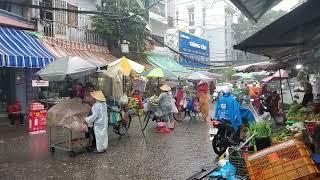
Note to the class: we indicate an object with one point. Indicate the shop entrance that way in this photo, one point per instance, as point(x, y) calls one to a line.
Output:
point(7, 91)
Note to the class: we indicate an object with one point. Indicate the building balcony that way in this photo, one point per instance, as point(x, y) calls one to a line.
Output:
point(14, 20)
point(72, 33)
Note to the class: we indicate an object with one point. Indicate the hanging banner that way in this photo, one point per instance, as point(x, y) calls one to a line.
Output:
point(40, 83)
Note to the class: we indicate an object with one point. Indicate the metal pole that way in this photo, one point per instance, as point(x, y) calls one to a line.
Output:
point(290, 89)
point(281, 91)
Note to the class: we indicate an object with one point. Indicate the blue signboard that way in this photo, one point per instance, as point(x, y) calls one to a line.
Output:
point(194, 50)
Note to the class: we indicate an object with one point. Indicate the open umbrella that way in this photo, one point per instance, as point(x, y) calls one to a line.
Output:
point(125, 66)
point(281, 74)
point(71, 66)
point(244, 75)
point(196, 76)
point(160, 73)
point(211, 74)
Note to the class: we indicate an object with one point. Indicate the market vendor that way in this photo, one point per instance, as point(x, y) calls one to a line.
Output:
point(316, 105)
point(99, 118)
point(79, 90)
point(88, 89)
point(308, 95)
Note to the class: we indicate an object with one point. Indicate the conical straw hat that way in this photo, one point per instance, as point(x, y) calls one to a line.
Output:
point(98, 95)
point(165, 88)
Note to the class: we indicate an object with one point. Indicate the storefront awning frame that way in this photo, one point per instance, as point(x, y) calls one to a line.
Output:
point(255, 9)
point(290, 36)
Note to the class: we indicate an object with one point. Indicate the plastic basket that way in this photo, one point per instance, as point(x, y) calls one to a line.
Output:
point(288, 160)
point(237, 159)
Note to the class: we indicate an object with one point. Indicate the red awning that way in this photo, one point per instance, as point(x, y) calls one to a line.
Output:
point(61, 48)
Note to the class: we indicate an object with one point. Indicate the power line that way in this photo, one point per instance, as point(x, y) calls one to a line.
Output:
point(109, 16)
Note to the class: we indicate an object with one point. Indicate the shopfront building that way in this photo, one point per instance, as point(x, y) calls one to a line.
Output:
point(21, 56)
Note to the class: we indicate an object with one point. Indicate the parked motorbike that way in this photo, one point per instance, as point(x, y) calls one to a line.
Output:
point(223, 135)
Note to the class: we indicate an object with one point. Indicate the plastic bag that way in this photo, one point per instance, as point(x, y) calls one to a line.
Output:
point(227, 171)
point(174, 107)
point(115, 117)
point(123, 100)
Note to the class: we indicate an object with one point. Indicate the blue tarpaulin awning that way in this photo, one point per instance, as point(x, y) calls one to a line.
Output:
point(19, 49)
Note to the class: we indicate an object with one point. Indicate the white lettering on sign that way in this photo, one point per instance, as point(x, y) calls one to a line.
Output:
point(196, 45)
point(184, 36)
point(40, 83)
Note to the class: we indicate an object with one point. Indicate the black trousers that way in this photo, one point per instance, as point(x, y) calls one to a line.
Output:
point(90, 134)
point(14, 117)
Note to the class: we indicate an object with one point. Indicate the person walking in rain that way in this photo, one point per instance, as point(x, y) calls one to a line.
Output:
point(99, 118)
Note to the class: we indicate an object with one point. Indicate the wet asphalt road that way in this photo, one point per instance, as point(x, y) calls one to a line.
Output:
point(176, 155)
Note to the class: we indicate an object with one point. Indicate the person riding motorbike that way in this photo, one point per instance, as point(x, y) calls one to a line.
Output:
point(228, 108)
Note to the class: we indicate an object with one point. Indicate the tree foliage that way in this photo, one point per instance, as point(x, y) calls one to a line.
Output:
point(244, 28)
point(131, 29)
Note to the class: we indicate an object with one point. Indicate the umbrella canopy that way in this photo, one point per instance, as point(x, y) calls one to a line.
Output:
point(196, 76)
point(125, 66)
point(211, 74)
point(244, 75)
point(71, 66)
point(262, 66)
point(277, 76)
point(160, 73)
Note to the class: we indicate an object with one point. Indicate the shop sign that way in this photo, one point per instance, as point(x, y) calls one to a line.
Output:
point(40, 83)
point(195, 50)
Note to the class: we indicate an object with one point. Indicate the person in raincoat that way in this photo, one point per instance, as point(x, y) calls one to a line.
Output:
point(203, 94)
point(99, 118)
point(228, 108)
point(166, 103)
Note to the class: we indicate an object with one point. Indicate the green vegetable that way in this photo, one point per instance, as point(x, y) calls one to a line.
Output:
point(261, 129)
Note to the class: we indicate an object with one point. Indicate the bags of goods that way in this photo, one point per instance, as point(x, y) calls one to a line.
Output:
point(36, 106)
point(70, 114)
point(123, 100)
point(15, 107)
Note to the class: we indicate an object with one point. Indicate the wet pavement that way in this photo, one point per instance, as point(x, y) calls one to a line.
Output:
point(176, 155)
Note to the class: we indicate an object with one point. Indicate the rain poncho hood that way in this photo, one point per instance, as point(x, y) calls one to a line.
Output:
point(100, 119)
point(228, 108)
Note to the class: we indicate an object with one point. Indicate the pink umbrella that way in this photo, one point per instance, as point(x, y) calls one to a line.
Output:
point(281, 74)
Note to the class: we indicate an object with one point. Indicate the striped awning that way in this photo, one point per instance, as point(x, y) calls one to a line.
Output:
point(19, 49)
point(95, 53)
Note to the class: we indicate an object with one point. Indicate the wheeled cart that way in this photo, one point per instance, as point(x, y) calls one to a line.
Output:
point(64, 139)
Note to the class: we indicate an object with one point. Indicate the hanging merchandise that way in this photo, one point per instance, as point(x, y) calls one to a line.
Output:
point(140, 85)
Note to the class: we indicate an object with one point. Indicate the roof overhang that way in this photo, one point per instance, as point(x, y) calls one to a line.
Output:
point(293, 34)
point(255, 9)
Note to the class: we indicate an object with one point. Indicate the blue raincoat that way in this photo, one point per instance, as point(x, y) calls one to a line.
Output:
point(228, 108)
point(100, 119)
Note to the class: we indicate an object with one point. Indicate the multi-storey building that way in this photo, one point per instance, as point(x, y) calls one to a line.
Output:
point(65, 33)
point(210, 20)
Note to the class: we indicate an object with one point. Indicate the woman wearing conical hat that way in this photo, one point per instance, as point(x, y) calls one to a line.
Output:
point(99, 118)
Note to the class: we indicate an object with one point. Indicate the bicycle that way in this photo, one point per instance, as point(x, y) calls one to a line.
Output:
point(188, 109)
point(150, 114)
point(121, 126)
